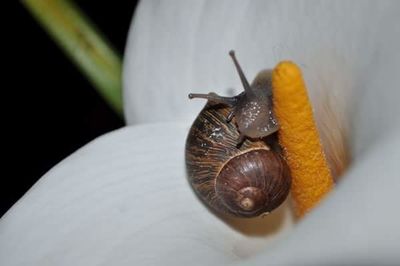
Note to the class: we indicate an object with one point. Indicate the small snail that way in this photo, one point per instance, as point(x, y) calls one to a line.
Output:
point(229, 163)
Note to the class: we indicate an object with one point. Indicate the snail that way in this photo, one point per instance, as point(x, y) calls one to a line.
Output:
point(232, 158)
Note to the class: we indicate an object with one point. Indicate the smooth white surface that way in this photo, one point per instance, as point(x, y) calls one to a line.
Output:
point(124, 200)
point(176, 47)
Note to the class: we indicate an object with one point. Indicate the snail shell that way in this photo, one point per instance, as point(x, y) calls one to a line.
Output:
point(246, 180)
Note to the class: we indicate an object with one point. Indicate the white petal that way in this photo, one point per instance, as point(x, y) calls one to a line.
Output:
point(177, 47)
point(124, 200)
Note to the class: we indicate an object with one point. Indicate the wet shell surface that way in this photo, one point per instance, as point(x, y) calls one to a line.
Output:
point(246, 180)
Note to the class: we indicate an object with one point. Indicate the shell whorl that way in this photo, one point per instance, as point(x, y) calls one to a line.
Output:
point(251, 183)
point(244, 181)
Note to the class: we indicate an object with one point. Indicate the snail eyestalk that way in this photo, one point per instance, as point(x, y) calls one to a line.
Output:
point(245, 83)
point(213, 97)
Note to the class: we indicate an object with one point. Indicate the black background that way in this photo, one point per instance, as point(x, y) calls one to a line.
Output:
point(49, 109)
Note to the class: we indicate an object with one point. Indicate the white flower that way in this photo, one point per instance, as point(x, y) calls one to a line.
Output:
point(124, 200)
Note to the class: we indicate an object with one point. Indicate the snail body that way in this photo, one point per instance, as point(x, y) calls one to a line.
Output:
point(251, 108)
point(235, 171)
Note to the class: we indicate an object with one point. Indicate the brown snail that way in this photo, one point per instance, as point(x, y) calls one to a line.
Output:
point(230, 161)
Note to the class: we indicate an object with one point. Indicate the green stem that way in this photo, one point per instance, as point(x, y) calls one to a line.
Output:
point(83, 43)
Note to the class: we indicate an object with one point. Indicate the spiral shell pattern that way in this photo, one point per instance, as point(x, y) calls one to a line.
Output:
point(244, 181)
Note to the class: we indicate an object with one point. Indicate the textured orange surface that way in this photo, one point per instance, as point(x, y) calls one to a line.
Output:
point(299, 138)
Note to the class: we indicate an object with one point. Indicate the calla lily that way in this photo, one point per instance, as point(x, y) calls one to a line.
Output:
point(123, 199)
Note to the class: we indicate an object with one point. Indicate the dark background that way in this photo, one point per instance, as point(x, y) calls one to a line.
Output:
point(49, 108)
